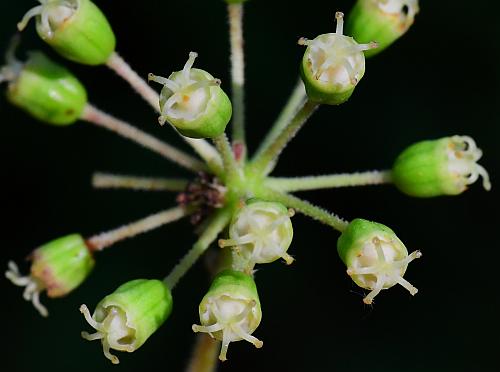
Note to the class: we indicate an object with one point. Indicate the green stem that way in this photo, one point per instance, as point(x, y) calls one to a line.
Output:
point(266, 160)
point(329, 181)
point(97, 117)
point(118, 181)
point(106, 239)
point(218, 222)
point(205, 353)
point(235, 13)
point(305, 208)
point(231, 168)
point(295, 101)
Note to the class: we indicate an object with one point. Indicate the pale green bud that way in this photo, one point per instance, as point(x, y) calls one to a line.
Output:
point(76, 29)
point(44, 89)
point(384, 21)
point(332, 65)
point(375, 257)
point(260, 232)
point(445, 166)
point(58, 267)
point(126, 318)
point(230, 311)
point(193, 102)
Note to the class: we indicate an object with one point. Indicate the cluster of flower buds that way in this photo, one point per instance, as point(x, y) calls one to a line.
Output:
point(193, 102)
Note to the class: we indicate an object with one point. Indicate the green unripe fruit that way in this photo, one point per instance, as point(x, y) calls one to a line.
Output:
point(230, 311)
point(332, 65)
point(375, 257)
point(126, 318)
point(47, 91)
point(384, 21)
point(439, 167)
point(58, 267)
point(193, 102)
point(76, 29)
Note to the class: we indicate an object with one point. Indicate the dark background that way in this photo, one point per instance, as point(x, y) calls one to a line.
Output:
point(441, 79)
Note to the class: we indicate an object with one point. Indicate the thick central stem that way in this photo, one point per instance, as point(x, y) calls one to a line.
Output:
point(235, 12)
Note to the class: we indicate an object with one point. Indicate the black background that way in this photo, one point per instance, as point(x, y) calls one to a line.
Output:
point(441, 79)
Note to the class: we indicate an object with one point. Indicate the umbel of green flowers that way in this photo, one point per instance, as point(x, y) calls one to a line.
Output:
point(240, 206)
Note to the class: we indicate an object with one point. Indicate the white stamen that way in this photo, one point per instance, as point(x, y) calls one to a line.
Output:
point(339, 16)
point(33, 12)
point(380, 266)
point(234, 321)
point(186, 71)
point(112, 331)
point(32, 289)
point(172, 85)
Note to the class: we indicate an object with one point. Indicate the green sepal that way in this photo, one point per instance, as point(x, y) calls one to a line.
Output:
point(48, 91)
point(147, 303)
point(85, 37)
point(420, 170)
point(235, 283)
point(352, 240)
point(215, 117)
point(367, 22)
point(62, 264)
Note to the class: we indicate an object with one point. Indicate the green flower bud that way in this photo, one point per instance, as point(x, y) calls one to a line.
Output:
point(439, 167)
point(332, 65)
point(193, 102)
point(76, 29)
point(375, 258)
point(260, 232)
point(57, 267)
point(45, 89)
point(126, 318)
point(230, 311)
point(382, 20)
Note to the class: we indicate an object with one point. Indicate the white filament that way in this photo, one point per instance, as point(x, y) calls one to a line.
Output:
point(112, 330)
point(32, 289)
point(51, 13)
point(260, 233)
point(463, 155)
point(188, 96)
point(335, 59)
point(380, 265)
point(230, 319)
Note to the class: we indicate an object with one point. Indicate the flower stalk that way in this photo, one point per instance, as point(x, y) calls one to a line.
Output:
point(117, 181)
point(106, 239)
point(294, 184)
point(97, 117)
